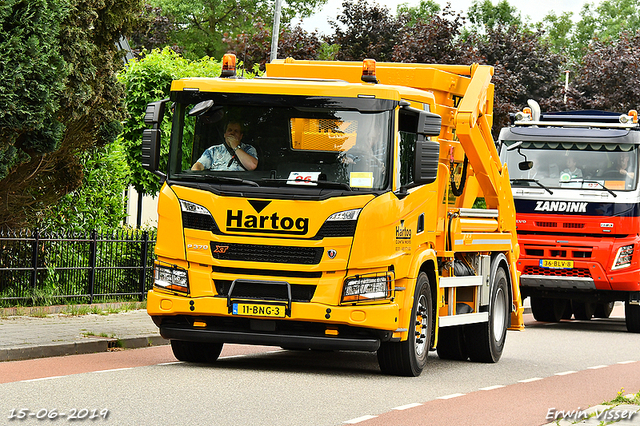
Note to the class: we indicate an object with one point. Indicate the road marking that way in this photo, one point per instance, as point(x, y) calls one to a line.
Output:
point(492, 387)
point(360, 419)
point(170, 363)
point(564, 373)
point(455, 395)
point(113, 369)
point(405, 407)
point(533, 379)
point(626, 362)
point(41, 378)
point(595, 367)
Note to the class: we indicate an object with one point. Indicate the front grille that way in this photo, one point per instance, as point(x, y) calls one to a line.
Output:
point(337, 228)
point(573, 225)
point(546, 224)
point(265, 291)
point(199, 221)
point(550, 272)
point(264, 253)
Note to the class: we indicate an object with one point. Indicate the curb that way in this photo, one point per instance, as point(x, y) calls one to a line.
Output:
point(81, 347)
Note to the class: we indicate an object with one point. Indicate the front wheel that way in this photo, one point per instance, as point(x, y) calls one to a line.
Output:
point(196, 351)
point(485, 341)
point(548, 310)
point(632, 317)
point(409, 358)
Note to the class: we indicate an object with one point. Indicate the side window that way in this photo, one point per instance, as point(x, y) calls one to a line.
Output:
point(407, 147)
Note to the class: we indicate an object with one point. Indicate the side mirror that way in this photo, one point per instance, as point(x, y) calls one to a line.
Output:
point(525, 165)
point(427, 155)
point(150, 156)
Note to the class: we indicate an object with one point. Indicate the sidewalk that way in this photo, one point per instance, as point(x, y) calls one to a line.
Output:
point(24, 337)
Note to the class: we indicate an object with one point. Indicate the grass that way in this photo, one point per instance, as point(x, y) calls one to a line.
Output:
point(106, 308)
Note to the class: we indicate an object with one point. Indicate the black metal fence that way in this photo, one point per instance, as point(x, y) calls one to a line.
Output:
point(42, 268)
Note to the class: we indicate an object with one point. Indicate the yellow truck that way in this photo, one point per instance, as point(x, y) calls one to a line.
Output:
point(329, 206)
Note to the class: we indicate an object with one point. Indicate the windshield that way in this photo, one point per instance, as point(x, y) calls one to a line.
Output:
point(264, 145)
point(571, 165)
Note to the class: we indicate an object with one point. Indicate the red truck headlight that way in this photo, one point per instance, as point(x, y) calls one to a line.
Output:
point(623, 257)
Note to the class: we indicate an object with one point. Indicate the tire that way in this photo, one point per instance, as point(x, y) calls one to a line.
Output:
point(632, 317)
point(547, 310)
point(485, 341)
point(451, 344)
point(196, 351)
point(568, 311)
point(603, 310)
point(583, 310)
point(409, 358)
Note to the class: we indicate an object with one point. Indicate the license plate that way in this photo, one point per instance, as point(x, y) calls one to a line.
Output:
point(556, 264)
point(256, 310)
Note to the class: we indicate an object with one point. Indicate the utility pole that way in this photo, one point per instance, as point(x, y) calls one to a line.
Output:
point(276, 31)
point(566, 84)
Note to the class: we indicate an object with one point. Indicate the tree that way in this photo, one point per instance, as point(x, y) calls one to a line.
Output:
point(365, 31)
point(153, 31)
point(98, 203)
point(606, 21)
point(433, 40)
point(422, 12)
point(485, 16)
point(82, 107)
point(609, 77)
point(254, 48)
point(201, 25)
point(525, 68)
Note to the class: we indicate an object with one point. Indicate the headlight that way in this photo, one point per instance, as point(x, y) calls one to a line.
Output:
point(345, 215)
point(188, 206)
point(171, 278)
point(367, 287)
point(623, 257)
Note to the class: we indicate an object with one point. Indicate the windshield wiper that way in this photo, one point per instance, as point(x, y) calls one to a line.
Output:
point(321, 183)
point(594, 181)
point(534, 181)
point(224, 179)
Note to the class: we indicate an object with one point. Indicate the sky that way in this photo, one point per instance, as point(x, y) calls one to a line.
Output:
point(535, 9)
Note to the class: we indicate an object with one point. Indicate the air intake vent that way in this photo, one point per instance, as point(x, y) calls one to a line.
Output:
point(199, 221)
point(337, 228)
point(264, 253)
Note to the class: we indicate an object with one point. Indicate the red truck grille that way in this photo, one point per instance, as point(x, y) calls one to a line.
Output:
point(549, 272)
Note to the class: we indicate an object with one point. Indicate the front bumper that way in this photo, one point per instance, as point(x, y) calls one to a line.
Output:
point(310, 325)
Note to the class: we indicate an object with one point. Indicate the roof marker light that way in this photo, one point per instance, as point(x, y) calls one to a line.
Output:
point(369, 71)
point(228, 65)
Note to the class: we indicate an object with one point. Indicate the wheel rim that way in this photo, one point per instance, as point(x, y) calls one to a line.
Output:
point(499, 314)
point(422, 318)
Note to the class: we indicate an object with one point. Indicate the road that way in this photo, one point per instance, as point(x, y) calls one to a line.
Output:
point(563, 366)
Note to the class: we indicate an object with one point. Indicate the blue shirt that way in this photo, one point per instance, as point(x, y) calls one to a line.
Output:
point(217, 157)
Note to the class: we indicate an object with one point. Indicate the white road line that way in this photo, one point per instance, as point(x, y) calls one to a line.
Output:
point(533, 379)
point(233, 356)
point(41, 378)
point(405, 407)
point(455, 395)
point(492, 387)
point(170, 363)
point(626, 362)
point(113, 369)
point(595, 367)
point(359, 419)
point(564, 373)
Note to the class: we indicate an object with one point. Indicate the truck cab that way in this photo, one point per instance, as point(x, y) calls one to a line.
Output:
point(574, 178)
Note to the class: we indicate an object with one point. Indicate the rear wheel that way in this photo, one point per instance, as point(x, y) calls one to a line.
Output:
point(583, 310)
point(196, 351)
point(451, 344)
point(409, 358)
point(603, 310)
point(548, 310)
point(632, 317)
point(485, 341)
